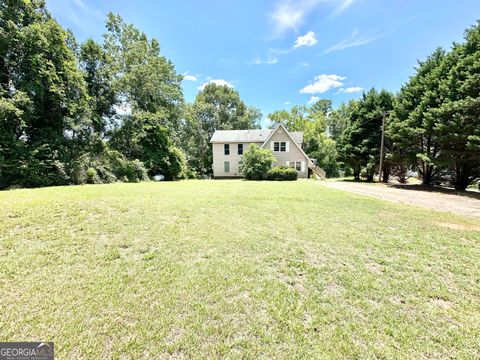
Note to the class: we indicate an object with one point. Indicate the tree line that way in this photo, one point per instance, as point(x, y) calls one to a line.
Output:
point(99, 111)
point(432, 124)
point(113, 110)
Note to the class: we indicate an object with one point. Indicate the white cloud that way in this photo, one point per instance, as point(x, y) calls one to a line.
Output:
point(344, 5)
point(259, 61)
point(306, 40)
point(322, 83)
point(290, 15)
point(304, 64)
point(219, 82)
point(286, 17)
point(313, 99)
point(187, 77)
point(286, 102)
point(353, 40)
point(352, 89)
point(280, 51)
point(86, 17)
point(190, 78)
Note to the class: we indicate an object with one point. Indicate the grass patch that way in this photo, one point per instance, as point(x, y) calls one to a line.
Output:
point(209, 269)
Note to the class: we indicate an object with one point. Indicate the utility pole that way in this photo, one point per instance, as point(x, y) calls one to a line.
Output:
point(382, 143)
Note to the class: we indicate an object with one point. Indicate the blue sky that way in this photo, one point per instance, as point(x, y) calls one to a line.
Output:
point(282, 53)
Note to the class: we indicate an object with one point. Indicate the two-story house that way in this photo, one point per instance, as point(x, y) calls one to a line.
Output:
point(229, 145)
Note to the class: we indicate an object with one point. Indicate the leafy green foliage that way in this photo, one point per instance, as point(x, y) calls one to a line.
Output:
point(312, 121)
point(194, 140)
point(435, 125)
point(58, 103)
point(412, 125)
point(338, 120)
point(324, 150)
point(97, 66)
point(117, 107)
point(361, 139)
point(256, 162)
point(458, 127)
point(282, 173)
point(91, 176)
point(143, 137)
point(43, 104)
point(216, 107)
point(110, 166)
point(146, 81)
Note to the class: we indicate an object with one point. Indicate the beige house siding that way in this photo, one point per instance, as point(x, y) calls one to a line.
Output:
point(219, 159)
point(293, 153)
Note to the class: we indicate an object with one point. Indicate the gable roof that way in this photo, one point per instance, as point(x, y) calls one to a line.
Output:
point(289, 134)
point(249, 136)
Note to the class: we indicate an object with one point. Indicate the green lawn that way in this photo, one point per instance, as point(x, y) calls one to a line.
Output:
point(213, 269)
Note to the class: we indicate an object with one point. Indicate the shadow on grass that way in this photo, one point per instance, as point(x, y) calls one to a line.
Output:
point(352, 180)
point(436, 189)
point(417, 187)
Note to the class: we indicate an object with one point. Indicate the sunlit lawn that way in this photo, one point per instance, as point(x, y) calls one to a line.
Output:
point(208, 269)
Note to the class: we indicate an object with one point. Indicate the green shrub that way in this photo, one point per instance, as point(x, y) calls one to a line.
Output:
point(135, 171)
point(91, 175)
point(107, 167)
point(176, 165)
point(282, 173)
point(256, 162)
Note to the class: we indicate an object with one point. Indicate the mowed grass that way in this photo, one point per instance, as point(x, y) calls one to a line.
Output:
point(235, 269)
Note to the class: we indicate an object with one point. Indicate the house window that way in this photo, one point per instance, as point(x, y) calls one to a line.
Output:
point(226, 149)
point(296, 165)
point(280, 146)
point(240, 149)
point(226, 166)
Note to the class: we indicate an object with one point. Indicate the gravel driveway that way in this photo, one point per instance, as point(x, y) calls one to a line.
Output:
point(448, 201)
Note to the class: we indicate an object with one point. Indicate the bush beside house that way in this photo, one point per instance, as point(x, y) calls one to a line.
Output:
point(256, 164)
point(282, 173)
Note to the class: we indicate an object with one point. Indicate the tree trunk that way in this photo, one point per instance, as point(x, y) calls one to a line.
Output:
point(462, 177)
point(461, 185)
point(356, 172)
point(427, 175)
point(386, 173)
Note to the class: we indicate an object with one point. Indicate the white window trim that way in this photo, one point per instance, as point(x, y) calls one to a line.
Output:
point(291, 138)
point(293, 165)
point(280, 146)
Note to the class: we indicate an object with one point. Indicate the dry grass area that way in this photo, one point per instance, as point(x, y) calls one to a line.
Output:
point(215, 269)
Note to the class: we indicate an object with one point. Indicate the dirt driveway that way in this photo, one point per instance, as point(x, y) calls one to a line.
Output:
point(448, 201)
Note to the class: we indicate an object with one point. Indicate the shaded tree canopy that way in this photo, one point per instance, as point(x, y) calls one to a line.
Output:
point(216, 107)
point(114, 111)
